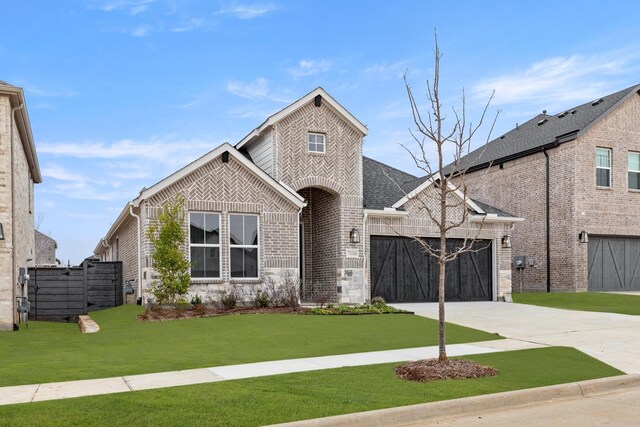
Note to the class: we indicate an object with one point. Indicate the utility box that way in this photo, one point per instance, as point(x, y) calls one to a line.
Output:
point(519, 262)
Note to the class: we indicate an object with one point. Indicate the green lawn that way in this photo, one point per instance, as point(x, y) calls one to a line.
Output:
point(48, 352)
point(290, 397)
point(583, 301)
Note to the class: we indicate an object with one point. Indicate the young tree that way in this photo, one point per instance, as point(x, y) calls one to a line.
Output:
point(445, 203)
point(168, 260)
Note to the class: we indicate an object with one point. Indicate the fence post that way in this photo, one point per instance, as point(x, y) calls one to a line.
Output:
point(84, 287)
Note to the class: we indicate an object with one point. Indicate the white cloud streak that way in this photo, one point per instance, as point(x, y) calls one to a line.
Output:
point(249, 11)
point(259, 88)
point(310, 67)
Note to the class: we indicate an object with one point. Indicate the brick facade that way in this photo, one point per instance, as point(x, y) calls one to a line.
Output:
point(576, 204)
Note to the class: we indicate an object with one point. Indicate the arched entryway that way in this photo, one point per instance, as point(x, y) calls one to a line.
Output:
point(319, 242)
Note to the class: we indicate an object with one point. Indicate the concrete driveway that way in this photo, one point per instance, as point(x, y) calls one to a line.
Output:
point(611, 338)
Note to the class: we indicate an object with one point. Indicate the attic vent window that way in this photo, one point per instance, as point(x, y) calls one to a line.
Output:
point(574, 111)
point(596, 102)
point(543, 121)
point(317, 101)
point(316, 142)
point(561, 115)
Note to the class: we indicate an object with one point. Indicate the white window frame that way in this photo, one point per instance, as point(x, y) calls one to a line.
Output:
point(234, 246)
point(316, 135)
point(610, 151)
point(631, 170)
point(207, 245)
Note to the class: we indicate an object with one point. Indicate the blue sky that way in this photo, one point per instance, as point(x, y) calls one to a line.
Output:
point(121, 93)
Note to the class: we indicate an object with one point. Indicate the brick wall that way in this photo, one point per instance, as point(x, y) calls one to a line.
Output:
point(337, 171)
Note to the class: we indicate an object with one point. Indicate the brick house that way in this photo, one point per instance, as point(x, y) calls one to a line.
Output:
point(45, 250)
point(575, 177)
point(296, 198)
point(18, 173)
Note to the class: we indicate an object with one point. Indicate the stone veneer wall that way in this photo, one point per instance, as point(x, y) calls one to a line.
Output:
point(21, 211)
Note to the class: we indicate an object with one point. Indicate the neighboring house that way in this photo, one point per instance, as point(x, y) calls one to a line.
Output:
point(45, 248)
point(19, 170)
point(575, 176)
point(296, 198)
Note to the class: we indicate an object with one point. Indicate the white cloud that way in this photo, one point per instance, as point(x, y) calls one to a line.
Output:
point(60, 173)
point(141, 31)
point(133, 7)
point(167, 151)
point(309, 67)
point(248, 11)
point(386, 70)
point(554, 82)
point(259, 88)
point(190, 25)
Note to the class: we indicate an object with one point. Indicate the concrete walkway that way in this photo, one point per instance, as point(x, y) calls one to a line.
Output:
point(93, 387)
point(611, 338)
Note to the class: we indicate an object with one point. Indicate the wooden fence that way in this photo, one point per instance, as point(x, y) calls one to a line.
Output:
point(63, 294)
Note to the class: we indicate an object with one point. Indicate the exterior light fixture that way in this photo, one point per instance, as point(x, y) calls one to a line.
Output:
point(354, 236)
point(1, 232)
point(583, 236)
point(506, 241)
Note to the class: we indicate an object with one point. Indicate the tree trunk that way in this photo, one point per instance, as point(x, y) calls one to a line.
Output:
point(442, 355)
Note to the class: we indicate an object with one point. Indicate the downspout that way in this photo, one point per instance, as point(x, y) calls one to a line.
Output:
point(364, 256)
point(300, 258)
point(548, 208)
point(13, 204)
point(139, 254)
point(106, 245)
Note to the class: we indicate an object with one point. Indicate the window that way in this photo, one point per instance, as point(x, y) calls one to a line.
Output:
point(634, 170)
point(204, 244)
point(603, 167)
point(243, 242)
point(316, 142)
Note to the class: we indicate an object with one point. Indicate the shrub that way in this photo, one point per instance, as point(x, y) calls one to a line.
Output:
point(229, 299)
point(378, 301)
point(196, 300)
point(284, 293)
point(261, 300)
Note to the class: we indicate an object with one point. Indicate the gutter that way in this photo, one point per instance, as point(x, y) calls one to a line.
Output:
point(14, 281)
point(137, 217)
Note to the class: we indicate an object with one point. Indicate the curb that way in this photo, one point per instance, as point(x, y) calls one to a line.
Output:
point(403, 415)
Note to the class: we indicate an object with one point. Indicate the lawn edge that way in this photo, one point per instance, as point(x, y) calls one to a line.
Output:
point(476, 404)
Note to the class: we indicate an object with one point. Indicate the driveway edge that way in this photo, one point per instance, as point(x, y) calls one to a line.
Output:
point(466, 406)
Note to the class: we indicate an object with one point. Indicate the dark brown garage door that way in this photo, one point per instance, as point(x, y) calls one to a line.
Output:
point(401, 272)
point(614, 263)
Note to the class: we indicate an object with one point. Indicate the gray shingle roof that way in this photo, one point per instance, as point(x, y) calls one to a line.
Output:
point(381, 183)
point(541, 130)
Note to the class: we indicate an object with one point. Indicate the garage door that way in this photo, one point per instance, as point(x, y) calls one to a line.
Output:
point(401, 272)
point(614, 263)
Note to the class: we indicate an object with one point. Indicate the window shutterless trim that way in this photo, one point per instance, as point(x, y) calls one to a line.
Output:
point(609, 168)
point(234, 246)
point(324, 142)
point(206, 245)
point(629, 170)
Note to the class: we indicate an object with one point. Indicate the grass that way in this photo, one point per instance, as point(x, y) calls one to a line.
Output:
point(49, 352)
point(583, 301)
point(291, 397)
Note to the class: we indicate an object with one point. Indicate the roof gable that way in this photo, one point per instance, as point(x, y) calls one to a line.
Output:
point(332, 103)
point(291, 196)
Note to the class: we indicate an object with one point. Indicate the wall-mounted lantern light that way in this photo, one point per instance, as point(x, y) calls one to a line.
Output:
point(1, 232)
point(583, 236)
point(354, 236)
point(506, 241)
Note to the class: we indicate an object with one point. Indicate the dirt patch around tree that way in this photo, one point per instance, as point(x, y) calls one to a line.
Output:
point(433, 369)
point(157, 314)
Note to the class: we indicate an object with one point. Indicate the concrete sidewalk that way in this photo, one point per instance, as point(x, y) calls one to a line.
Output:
point(93, 387)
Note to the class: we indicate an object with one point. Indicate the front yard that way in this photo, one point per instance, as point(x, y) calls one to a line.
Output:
point(583, 301)
point(49, 352)
point(291, 397)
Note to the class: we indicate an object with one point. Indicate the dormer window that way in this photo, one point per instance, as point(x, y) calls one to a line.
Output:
point(316, 142)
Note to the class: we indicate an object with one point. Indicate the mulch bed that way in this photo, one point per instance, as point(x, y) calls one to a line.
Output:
point(157, 314)
point(433, 369)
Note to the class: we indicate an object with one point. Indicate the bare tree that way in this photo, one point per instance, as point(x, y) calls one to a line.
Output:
point(445, 202)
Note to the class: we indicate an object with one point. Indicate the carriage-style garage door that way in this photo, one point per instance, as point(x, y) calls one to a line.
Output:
point(401, 272)
point(614, 263)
